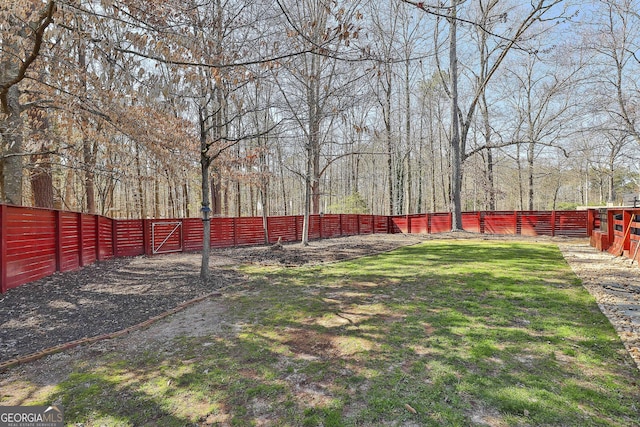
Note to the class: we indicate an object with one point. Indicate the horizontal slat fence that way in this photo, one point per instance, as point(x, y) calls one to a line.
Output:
point(527, 223)
point(35, 243)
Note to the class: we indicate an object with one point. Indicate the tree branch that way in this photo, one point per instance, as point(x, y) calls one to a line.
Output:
point(44, 20)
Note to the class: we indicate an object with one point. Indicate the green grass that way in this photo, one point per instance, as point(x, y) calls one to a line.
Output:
point(462, 332)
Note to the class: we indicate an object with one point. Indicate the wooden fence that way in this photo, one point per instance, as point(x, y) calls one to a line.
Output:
point(35, 243)
point(526, 223)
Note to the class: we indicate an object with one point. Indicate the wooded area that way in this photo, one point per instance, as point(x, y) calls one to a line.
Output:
point(138, 109)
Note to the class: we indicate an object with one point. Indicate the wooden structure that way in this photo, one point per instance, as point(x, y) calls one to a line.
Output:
point(619, 232)
point(35, 243)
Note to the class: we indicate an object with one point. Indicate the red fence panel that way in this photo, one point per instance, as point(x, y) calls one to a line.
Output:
point(222, 232)
point(105, 238)
point(634, 236)
point(534, 223)
point(500, 222)
point(89, 253)
point(571, 223)
point(68, 241)
point(331, 226)
point(418, 224)
point(3, 249)
point(365, 222)
point(349, 224)
point(249, 231)
point(129, 236)
point(381, 224)
point(472, 221)
point(192, 234)
point(284, 227)
point(620, 223)
point(315, 231)
point(399, 224)
point(29, 240)
point(166, 236)
point(440, 222)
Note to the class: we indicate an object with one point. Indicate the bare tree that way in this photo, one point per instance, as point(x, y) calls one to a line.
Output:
point(615, 43)
point(506, 38)
point(318, 82)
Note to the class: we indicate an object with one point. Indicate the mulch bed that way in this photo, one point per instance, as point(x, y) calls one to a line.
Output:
point(101, 298)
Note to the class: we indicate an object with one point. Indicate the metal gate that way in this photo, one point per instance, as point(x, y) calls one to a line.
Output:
point(166, 237)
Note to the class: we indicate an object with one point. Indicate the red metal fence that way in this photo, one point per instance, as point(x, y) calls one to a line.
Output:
point(35, 243)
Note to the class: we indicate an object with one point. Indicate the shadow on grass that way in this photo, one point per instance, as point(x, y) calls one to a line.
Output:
point(469, 333)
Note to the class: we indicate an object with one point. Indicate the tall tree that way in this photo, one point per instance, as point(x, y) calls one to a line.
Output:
point(318, 83)
point(22, 32)
point(523, 24)
point(615, 43)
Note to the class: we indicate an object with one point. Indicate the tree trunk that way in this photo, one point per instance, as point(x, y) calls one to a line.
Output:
point(456, 157)
point(491, 193)
point(185, 191)
point(205, 162)
point(216, 194)
point(205, 273)
point(283, 186)
point(611, 196)
point(12, 141)
point(140, 198)
point(530, 158)
point(42, 181)
point(520, 189)
point(491, 180)
point(307, 200)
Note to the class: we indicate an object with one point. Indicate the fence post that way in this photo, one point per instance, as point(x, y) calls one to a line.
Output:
point(80, 239)
point(3, 249)
point(553, 223)
point(97, 226)
point(234, 225)
point(114, 237)
point(147, 244)
point(58, 233)
point(516, 222)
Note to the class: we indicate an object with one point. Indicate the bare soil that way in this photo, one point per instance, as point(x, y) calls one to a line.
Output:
point(117, 294)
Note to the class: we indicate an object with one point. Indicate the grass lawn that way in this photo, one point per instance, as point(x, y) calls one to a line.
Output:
point(445, 333)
